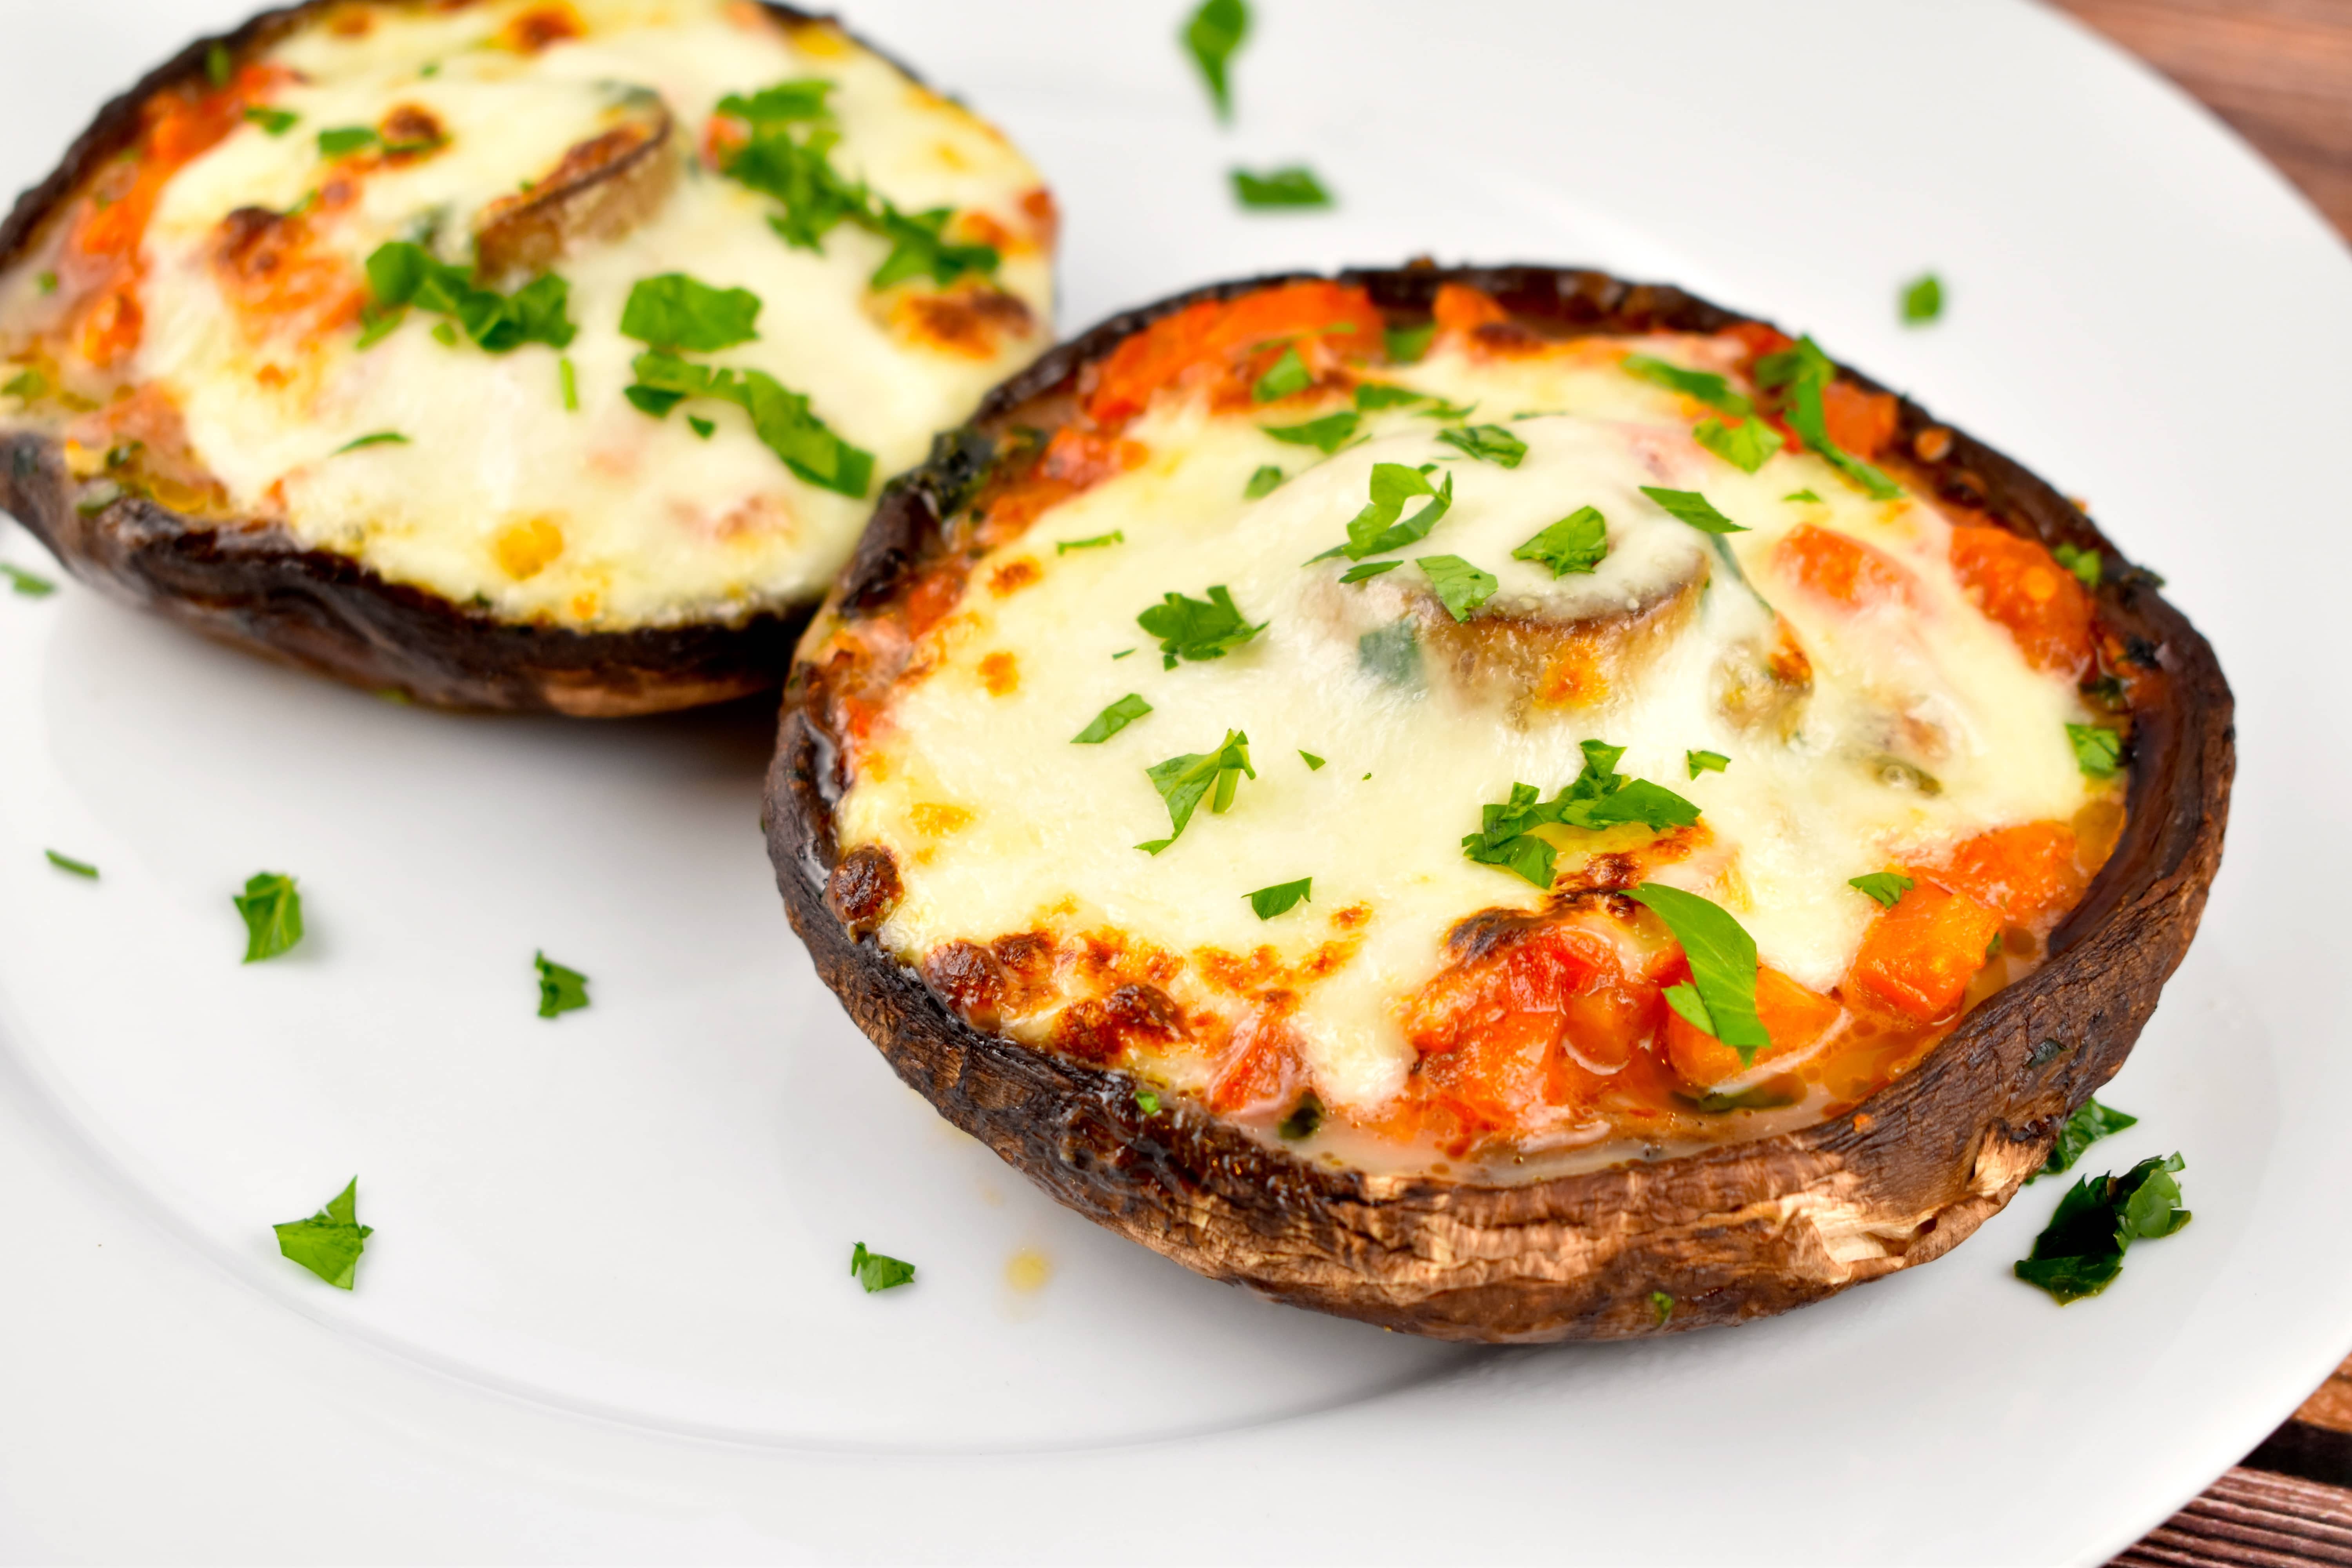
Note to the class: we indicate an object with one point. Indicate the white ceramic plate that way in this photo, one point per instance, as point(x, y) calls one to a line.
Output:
point(606, 1315)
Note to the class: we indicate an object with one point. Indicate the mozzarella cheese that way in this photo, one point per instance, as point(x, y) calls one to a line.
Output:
point(501, 497)
point(1000, 825)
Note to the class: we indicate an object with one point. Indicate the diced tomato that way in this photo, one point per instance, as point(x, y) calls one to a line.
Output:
point(1919, 956)
point(1074, 460)
point(1214, 339)
point(2023, 872)
point(1758, 339)
point(1264, 1068)
point(2016, 582)
point(1840, 569)
point(1794, 1016)
point(1861, 422)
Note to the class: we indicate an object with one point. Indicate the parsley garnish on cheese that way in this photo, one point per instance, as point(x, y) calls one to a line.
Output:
point(1294, 186)
point(1405, 345)
point(342, 140)
point(780, 418)
point(1198, 630)
point(1112, 721)
point(2098, 752)
point(1376, 529)
point(1368, 570)
point(1183, 780)
point(1885, 887)
point(1600, 797)
point(402, 273)
point(1746, 446)
point(276, 121)
point(2086, 564)
point(1285, 376)
point(1211, 37)
point(1461, 586)
point(1706, 762)
point(1115, 536)
point(677, 311)
point(1713, 390)
point(1577, 542)
point(560, 990)
point(272, 908)
point(1314, 763)
point(1326, 434)
point(1488, 443)
point(1280, 899)
point(374, 438)
point(1265, 482)
point(1695, 509)
point(1720, 998)
point(1799, 374)
point(329, 1242)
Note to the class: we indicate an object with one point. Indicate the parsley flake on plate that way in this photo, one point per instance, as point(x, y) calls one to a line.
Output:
point(1600, 797)
point(1115, 536)
point(1923, 300)
point(1184, 780)
point(272, 908)
point(1112, 721)
point(1747, 447)
point(1198, 630)
point(1287, 375)
point(1461, 587)
point(676, 312)
point(2098, 751)
point(1211, 37)
point(1577, 542)
point(2081, 1251)
point(2090, 1122)
point(877, 1272)
point(1713, 390)
point(68, 863)
point(1695, 509)
point(1326, 434)
point(1281, 898)
point(1294, 186)
point(1705, 763)
point(560, 990)
point(1885, 887)
point(329, 1242)
point(1488, 443)
point(1720, 998)
point(31, 584)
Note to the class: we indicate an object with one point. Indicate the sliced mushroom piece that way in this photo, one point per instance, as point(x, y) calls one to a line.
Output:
point(599, 190)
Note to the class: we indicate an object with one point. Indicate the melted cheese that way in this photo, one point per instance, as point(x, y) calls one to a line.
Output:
point(603, 518)
point(999, 824)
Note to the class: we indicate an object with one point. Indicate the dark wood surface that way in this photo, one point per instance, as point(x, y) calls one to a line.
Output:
point(2280, 72)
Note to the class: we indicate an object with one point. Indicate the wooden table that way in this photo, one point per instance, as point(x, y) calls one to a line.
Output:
point(2279, 71)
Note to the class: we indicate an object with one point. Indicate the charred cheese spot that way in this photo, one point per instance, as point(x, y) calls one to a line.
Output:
point(1000, 673)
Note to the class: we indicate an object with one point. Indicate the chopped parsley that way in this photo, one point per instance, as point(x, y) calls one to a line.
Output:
point(1288, 375)
point(1799, 374)
point(1720, 998)
point(402, 273)
point(2090, 1123)
point(1112, 721)
point(1122, 652)
point(46, 282)
point(1197, 629)
point(560, 990)
point(26, 384)
point(1265, 482)
point(1282, 897)
point(276, 121)
point(1801, 495)
point(1709, 388)
point(1368, 570)
point(1313, 762)
point(1376, 529)
point(1211, 37)
point(780, 417)
point(1326, 434)
point(1147, 1102)
point(1405, 345)
point(1600, 797)
point(1305, 1118)
point(676, 312)
point(1746, 447)
point(329, 1242)
point(703, 428)
point(2086, 564)
point(1662, 1305)
point(68, 863)
point(216, 64)
point(1693, 509)
point(1577, 542)
point(568, 380)
point(343, 139)
point(1461, 586)
point(2098, 752)
point(1115, 536)
point(1294, 186)
point(1488, 443)
point(2081, 1252)
point(1183, 780)
point(1371, 394)
point(374, 438)
point(31, 584)
point(1705, 763)
point(1923, 300)
point(1885, 887)
point(877, 1272)
point(272, 908)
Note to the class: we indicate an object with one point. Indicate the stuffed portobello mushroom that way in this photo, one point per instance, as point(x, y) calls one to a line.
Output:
point(535, 354)
point(1496, 801)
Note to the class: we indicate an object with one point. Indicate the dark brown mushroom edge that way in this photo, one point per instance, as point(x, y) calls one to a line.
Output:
point(510, 355)
point(1917, 730)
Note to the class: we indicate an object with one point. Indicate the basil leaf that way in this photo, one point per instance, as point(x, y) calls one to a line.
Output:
point(1577, 542)
point(1709, 388)
point(375, 438)
point(560, 990)
point(1295, 186)
point(273, 914)
point(2099, 752)
point(1280, 899)
point(30, 584)
point(68, 863)
point(1722, 961)
point(1115, 536)
point(1184, 780)
point(1370, 569)
point(780, 418)
point(1313, 762)
point(1305, 1118)
point(1265, 482)
point(1197, 629)
point(344, 139)
point(2080, 1252)
point(1461, 586)
point(2090, 1122)
point(1288, 375)
point(1406, 345)
point(1885, 887)
point(276, 121)
point(1488, 443)
point(676, 312)
point(1112, 721)
point(1747, 447)
point(329, 1242)
point(877, 1272)
point(2086, 565)
point(1705, 763)
point(1326, 434)
point(1211, 37)
point(1693, 509)
point(1923, 300)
